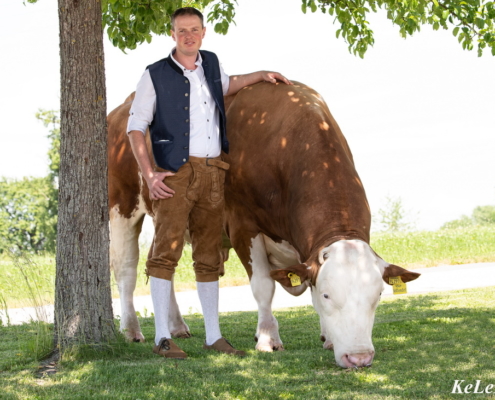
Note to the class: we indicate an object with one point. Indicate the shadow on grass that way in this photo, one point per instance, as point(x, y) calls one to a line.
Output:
point(423, 343)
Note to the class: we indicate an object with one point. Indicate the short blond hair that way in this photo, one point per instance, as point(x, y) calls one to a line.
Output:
point(186, 11)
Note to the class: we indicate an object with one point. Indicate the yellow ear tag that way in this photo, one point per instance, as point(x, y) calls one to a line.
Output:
point(397, 284)
point(294, 279)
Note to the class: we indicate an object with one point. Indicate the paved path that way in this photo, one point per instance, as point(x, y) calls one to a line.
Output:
point(240, 298)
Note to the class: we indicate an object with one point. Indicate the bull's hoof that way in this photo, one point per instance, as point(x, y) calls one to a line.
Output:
point(256, 338)
point(322, 338)
point(266, 348)
point(181, 335)
point(135, 338)
point(269, 347)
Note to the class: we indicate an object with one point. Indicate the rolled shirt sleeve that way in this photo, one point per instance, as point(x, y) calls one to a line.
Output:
point(225, 80)
point(144, 105)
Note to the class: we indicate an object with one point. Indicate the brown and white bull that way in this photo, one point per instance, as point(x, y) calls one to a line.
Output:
point(296, 212)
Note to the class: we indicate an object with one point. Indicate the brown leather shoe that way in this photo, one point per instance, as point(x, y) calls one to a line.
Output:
point(223, 346)
point(168, 349)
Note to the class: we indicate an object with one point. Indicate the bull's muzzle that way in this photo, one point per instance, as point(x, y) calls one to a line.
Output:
point(358, 360)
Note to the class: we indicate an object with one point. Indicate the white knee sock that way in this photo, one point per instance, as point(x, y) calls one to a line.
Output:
point(208, 296)
point(160, 295)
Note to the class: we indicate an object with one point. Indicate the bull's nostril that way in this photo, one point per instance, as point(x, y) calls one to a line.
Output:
point(361, 359)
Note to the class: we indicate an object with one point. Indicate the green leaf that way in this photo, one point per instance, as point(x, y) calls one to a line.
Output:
point(455, 31)
point(480, 23)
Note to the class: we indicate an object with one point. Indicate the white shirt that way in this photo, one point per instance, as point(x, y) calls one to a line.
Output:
point(204, 131)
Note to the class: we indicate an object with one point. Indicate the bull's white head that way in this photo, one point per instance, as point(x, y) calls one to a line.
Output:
point(346, 293)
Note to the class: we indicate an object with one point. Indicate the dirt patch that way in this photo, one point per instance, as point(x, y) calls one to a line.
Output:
point(48, 366)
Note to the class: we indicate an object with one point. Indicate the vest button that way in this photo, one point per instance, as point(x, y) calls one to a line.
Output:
point(184, 160)
point(187, 120)
point(185, 134)
point(186, 81)
point(186, 108)
point(186, 147)
point(186, 94)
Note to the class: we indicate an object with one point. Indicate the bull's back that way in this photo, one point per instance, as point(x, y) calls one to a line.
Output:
point(291, 167)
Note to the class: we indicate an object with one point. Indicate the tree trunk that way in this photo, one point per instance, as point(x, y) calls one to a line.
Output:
point(83, 306)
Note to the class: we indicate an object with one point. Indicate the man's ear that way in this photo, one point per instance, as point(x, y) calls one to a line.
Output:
point(393, 271)
point(282, 275)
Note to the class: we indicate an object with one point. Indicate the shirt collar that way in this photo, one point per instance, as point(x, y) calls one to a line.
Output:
point(198, 62)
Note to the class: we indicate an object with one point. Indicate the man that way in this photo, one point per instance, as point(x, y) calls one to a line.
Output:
point(180, 98)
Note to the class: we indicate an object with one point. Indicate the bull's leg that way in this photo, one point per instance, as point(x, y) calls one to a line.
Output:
point(263, 287)
point(124, 257)
point(176, 324)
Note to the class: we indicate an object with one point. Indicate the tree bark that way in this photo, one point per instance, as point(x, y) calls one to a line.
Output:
point(83, 306)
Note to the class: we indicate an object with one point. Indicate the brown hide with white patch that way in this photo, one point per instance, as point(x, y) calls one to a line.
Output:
point(292, 174)
point(124, 182)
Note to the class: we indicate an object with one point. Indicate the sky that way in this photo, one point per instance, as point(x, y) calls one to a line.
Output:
point(418, 113)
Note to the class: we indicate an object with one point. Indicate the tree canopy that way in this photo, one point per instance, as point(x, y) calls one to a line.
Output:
point(129, 23)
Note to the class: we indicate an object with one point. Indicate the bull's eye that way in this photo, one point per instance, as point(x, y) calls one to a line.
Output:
point(325, 296)
point(325, 256)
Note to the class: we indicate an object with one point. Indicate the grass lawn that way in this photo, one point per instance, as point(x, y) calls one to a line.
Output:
point(420, 249)
point(407, 249)
point(423, 344)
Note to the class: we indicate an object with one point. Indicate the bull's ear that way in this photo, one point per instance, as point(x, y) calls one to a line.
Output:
point(394, 270)
point(282, 275)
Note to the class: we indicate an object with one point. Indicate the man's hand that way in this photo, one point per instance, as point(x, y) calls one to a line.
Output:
point(272, 77)
point(155, 180)
point(157, 187)
point(237, 82)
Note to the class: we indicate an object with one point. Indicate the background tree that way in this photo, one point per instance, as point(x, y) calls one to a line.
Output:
point(28, 207)
point(484, 215)
point(394, 217)
point(28, 216)
point(481, 216)
point(51, 120)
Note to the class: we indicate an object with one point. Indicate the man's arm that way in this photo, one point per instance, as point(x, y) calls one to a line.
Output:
point(158, 189)
point(237, 82)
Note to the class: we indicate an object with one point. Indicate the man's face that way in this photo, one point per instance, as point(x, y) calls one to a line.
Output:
point(188, 33)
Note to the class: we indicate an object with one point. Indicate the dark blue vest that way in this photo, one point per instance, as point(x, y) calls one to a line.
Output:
point(170, 127)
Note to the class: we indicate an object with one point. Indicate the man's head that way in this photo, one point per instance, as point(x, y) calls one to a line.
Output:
point(187, 31)
point(191, 11)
